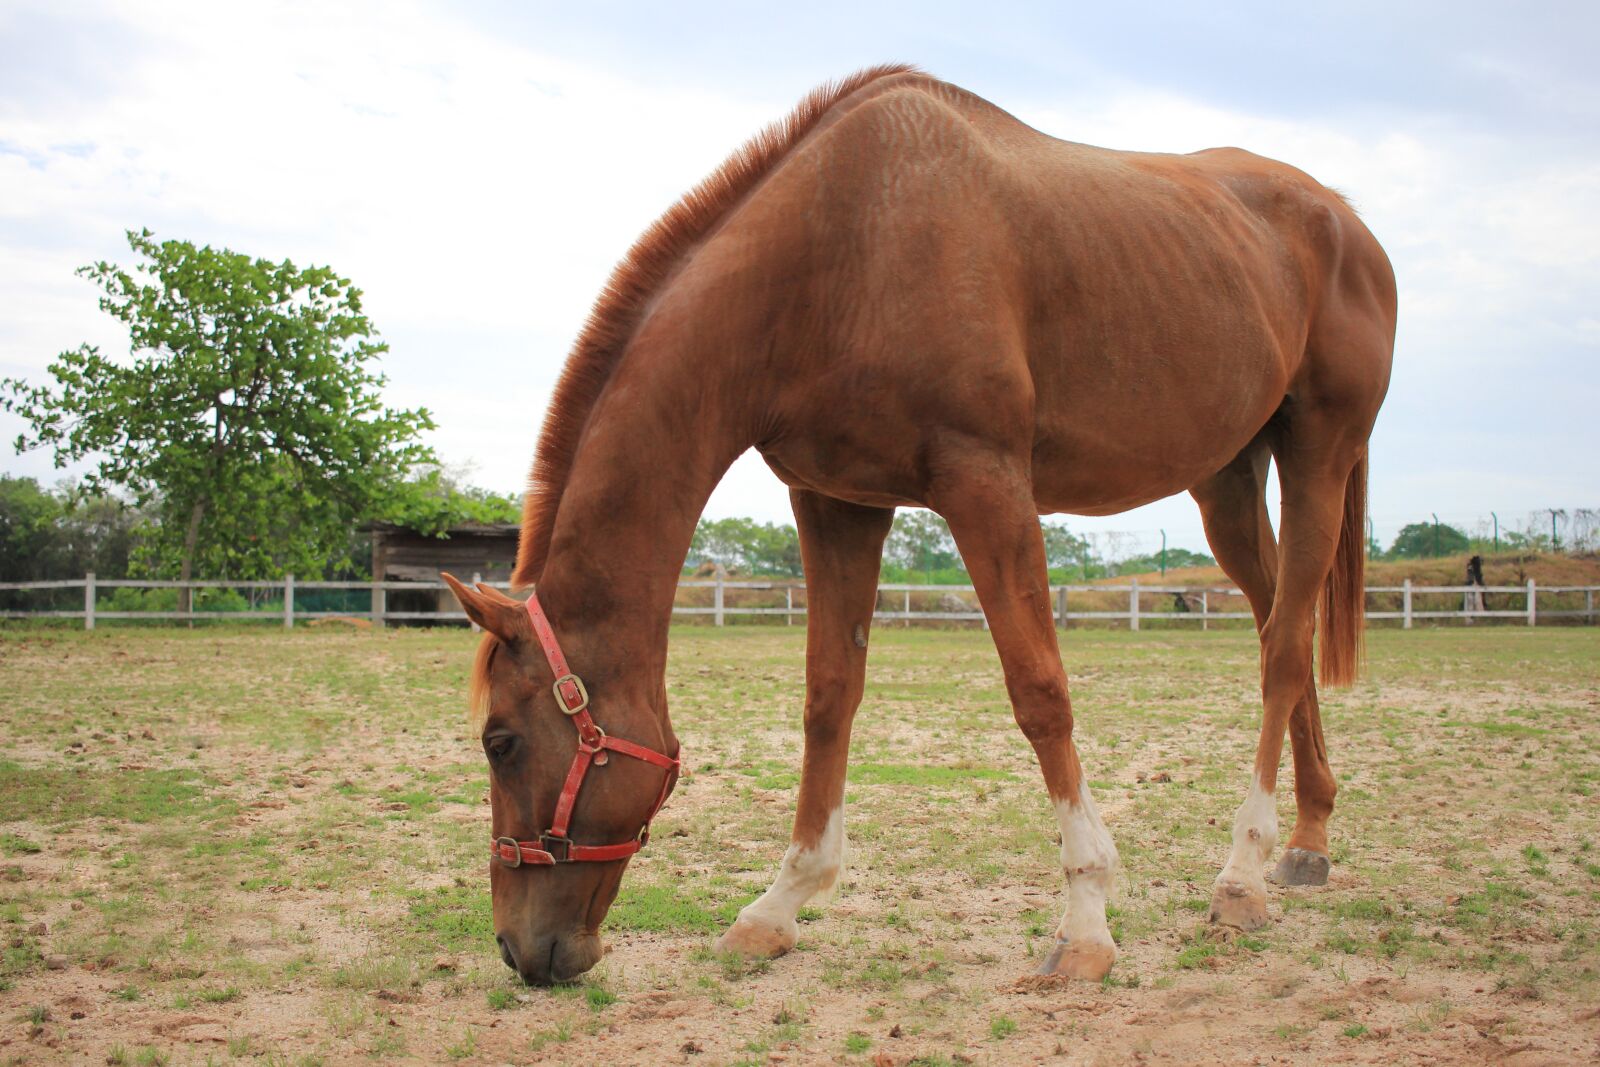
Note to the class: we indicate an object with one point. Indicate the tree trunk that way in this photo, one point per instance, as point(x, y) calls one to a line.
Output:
point(186, 568)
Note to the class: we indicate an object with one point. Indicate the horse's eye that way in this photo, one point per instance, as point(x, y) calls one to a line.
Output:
point(499, 746)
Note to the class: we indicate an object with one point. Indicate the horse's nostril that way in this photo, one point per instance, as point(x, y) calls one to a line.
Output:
point(505, 951)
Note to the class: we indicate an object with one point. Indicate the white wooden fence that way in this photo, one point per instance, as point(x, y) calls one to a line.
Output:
point(720, 610)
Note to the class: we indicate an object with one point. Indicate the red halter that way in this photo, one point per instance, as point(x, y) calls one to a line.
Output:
point(553, 846)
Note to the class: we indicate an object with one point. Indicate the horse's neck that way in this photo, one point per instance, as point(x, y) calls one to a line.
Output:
point(652, 453)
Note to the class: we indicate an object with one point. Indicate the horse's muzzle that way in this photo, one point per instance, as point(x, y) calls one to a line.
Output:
point(552, 958)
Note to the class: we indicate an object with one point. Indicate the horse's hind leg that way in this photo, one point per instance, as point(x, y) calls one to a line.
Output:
point(1233, 507)
point(842, 546)
point(993, 517)
point(1315, 477)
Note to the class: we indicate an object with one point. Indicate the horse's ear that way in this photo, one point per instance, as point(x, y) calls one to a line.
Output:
point(490, 609)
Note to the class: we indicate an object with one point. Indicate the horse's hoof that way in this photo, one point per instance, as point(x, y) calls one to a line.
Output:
point(1087, 962)
point(758, 938)
point(1301, 866)
point(1238, 905)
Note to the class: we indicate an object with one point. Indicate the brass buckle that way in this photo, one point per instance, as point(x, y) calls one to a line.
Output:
point(546, 841)
point(562, 701)
point(516, 851)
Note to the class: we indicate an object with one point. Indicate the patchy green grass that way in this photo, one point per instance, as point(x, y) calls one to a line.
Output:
point(920, 775)
point(204, 823)
point(666, 909)
point(60, 795)
point(456, 918)
point(12, 845)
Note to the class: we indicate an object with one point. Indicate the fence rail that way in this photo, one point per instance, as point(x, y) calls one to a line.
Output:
point(951, 606)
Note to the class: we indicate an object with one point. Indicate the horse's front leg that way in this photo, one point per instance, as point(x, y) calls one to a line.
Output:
point(842, 546)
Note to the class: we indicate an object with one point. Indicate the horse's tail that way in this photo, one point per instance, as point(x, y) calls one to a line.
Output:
point(1344, 594)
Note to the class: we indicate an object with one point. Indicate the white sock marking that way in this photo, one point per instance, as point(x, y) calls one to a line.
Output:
point(1255, 834)
point(1089, 860)
point(806, 874)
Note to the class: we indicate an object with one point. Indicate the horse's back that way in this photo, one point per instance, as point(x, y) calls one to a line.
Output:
point(1130, 319)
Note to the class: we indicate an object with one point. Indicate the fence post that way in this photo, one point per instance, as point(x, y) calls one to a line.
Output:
point(1588, 605)
point(88, 601)
point(1405, 602)
point(1061, 607)
point(476, 578)
point(1133, 605)
point(1533, 605)
point(788, 605)
point(379, 602)
point(288, 601)
point(1205, 609)
point(717, 600)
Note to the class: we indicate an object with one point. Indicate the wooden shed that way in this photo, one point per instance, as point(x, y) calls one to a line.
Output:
point(400, 554)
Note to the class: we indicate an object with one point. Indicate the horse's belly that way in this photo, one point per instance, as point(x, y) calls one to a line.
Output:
point(1106, 443)
point(1086, 487)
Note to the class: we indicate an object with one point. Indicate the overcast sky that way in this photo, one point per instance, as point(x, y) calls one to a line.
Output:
point(477, 168)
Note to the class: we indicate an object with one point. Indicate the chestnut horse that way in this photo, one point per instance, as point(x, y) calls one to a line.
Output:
point(902, 295)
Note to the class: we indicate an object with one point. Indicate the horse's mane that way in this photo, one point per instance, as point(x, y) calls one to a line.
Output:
point(633, 282)
point(478, 683)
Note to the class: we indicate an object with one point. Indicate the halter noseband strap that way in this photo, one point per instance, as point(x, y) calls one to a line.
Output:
point(553, 846)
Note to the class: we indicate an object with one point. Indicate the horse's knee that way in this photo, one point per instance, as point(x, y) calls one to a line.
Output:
point(1041, 706)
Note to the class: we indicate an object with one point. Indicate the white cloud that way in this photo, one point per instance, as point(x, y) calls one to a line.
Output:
point(480, 189)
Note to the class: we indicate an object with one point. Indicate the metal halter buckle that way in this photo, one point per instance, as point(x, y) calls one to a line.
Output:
point(577, 684)
point(595, 746)
point(501, 843)
point(548, 843)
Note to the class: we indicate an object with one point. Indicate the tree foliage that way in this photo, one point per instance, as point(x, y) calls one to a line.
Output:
point(62, 534)
point(247, 418)
point(27, 528)
point(1151, 561)
point(1424, 540)
point(920, 548)
point(1063, 549)
point(920, 542)
point(432, 500)
point(748, 546)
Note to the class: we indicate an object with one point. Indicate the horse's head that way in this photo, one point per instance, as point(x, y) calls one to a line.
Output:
point(569, 799)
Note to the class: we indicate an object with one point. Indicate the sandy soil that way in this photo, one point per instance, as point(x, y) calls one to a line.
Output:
point(1459, 925)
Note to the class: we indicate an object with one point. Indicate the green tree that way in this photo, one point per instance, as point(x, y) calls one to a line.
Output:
point(28, 517)
point(95, 532)
point(247, 417)
point(1176, 557)
point(1063, 549)
point(749, 546)
point(1423, 540)
point(59, 533)
point(920, 542)
point(432, 499)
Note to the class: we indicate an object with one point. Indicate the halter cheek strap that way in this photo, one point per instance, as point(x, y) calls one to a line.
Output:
point(594, 745)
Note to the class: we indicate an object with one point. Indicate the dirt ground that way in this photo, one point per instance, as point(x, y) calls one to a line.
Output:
point(234, 846)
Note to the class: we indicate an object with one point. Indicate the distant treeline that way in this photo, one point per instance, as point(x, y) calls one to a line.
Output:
point(1574, 531)
point(66, 531)
point(920, 548)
